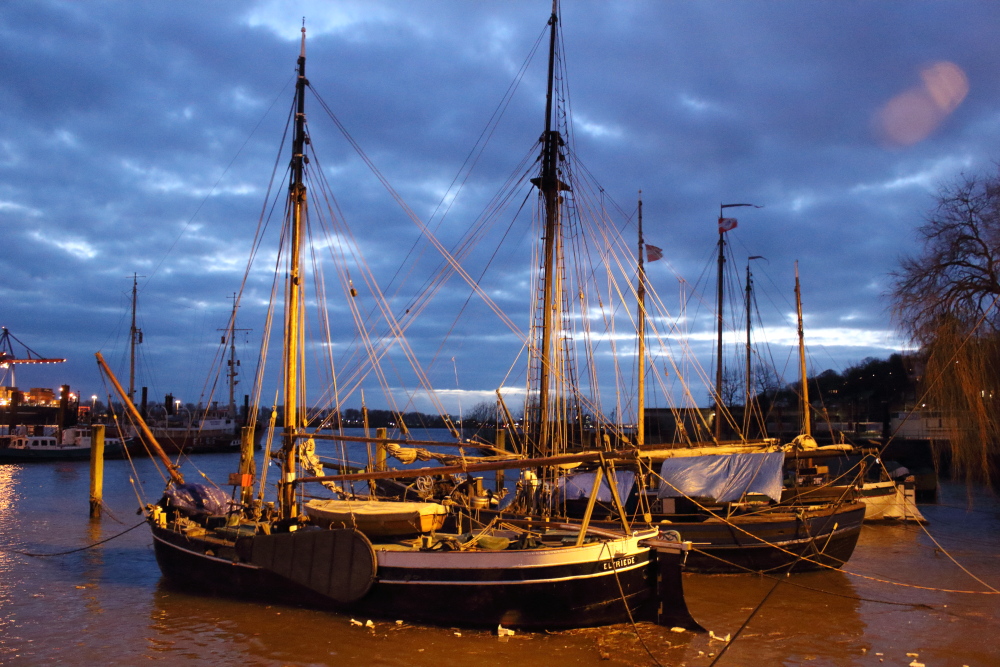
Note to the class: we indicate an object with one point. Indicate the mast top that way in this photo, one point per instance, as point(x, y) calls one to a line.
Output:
point(302, 53)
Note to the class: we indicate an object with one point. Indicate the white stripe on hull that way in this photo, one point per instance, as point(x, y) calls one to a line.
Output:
point(520, 559)
point(517, 582)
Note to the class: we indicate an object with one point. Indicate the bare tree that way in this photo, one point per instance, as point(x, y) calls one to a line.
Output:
point(945, 300)
point(955, 277)
point(484, 412)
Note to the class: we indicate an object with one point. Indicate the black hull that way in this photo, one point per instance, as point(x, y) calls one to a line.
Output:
point(188, 443)
point(540, 597)
point(779, 542)
point(197, 444)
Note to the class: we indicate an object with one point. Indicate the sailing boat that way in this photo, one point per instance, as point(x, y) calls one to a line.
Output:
point(728, 498)
point(882, 498)
point(520, 576)
point(176, 428)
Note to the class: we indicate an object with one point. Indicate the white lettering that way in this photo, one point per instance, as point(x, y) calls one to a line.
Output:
point(620, 563)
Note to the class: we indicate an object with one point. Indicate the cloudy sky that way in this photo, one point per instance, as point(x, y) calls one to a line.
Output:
point(140, 137)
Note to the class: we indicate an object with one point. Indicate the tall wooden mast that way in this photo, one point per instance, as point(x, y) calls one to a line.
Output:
point(806, 417)
point(725, 224)
point(549, 185)
point(749, 363)
point(717, 422)
point(293, 294)
point(640, 428)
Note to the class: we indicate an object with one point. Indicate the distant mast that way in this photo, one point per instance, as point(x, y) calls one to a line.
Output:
point(135, 338)
point(234, 363)
point(749, 379)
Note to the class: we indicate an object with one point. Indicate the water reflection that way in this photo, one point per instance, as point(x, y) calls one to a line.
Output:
point(9, 498)
point(93, 565)
point(208, 630)
point(109, 600)
point(812, 616)
point(8, 488)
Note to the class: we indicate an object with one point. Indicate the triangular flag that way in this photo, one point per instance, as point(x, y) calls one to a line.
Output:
point(653, 253)
point(725, 224)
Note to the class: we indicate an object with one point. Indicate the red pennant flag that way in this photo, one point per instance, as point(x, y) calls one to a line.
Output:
point(653, 253)
point(726, 224)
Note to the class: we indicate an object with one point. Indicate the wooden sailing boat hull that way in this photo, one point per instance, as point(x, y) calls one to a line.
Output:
point(531, 589)
point(779, 541)
point(889, 501)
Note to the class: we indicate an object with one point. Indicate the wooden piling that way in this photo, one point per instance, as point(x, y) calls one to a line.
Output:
point(96, 469)
point(247, 466)
point(381, 455)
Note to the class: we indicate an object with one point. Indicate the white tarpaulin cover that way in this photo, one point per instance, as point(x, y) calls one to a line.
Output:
point(724, 477)
point(581, 484)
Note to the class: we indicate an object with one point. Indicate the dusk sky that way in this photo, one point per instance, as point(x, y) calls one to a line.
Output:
point(140, 137)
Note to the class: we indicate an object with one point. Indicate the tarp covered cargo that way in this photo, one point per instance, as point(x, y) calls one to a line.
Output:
point(726, 477)
point(579, 486)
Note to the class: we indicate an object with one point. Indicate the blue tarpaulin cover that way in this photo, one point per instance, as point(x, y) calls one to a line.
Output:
point(724, 477)
point(580, 485)
point(199, 498)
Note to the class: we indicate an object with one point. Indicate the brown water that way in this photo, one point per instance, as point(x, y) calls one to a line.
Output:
point(107, 605)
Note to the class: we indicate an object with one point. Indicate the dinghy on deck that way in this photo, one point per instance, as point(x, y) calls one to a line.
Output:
point(378, 518)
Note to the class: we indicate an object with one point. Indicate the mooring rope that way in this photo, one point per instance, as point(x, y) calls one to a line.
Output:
point(764, 573)
point(71, 551)
point(746, 622)
point(621, 591)
point(822, 565)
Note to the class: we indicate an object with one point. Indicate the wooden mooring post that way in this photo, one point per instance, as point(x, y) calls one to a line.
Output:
point(96, 470)
point(381, 455)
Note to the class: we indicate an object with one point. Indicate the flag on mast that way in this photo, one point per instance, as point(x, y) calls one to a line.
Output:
point(726, 224)
point(653, 253)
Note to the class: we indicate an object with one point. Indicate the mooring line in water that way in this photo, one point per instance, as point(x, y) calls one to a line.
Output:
point(746, 622)
point(105, 508)
point(764, 573)
point(71, 551)
point(952, 559)
point(628, 611)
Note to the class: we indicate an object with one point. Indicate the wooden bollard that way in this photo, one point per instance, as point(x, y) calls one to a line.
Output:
point(96, 469)
point(381, 455)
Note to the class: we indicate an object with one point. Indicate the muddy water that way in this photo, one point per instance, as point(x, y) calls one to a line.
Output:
point(107, 604)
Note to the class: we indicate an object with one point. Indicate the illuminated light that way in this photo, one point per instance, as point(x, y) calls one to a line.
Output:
point(914, 114)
